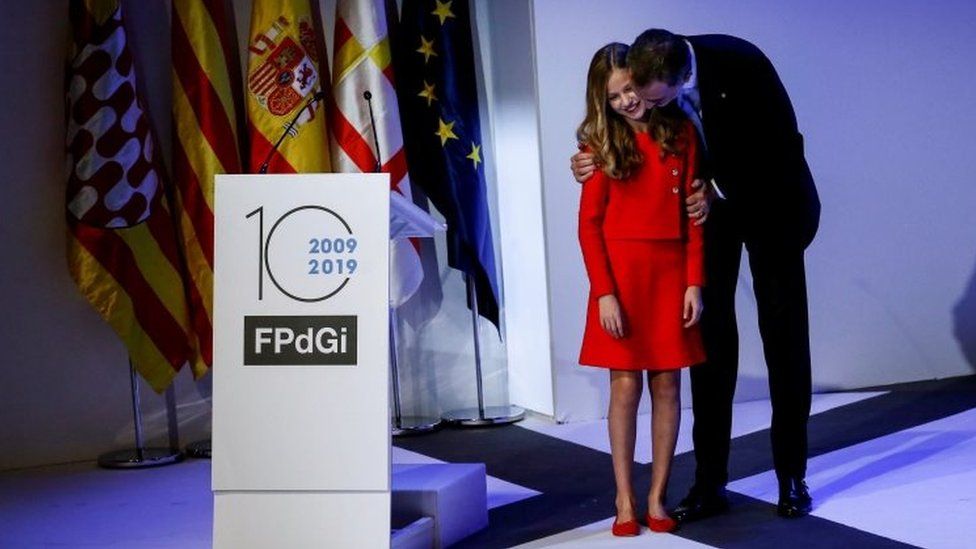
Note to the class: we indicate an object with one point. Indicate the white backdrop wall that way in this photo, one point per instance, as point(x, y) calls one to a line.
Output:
point(884, 96)
point(509, 56)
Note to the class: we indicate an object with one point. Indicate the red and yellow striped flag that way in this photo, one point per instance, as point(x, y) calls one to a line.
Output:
point(122, 243)
point(206, 106)
point(363, 63)
point(284, 72)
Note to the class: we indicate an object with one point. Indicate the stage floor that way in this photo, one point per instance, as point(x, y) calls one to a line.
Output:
point(891, 467)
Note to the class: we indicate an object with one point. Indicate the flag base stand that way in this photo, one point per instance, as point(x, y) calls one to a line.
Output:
point(141, 457)
point(406, 426)
point(199, 449)
point(481, 416)
point(492, 415)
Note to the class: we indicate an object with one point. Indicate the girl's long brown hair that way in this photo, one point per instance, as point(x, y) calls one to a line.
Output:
point(609, 137)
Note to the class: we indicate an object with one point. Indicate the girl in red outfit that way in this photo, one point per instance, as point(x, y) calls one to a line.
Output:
point(644, 259)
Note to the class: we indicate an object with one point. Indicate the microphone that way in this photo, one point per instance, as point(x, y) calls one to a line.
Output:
point(318, 96)
point(378, 167)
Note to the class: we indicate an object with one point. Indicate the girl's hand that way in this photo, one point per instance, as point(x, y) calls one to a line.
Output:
point(583, 164)
point(693, 306)
point(611, 317)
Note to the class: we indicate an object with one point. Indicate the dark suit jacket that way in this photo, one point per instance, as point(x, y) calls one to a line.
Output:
point(754, 150)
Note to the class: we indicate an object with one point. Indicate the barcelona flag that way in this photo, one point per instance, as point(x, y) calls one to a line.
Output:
point(435, 71)
point(362, 64)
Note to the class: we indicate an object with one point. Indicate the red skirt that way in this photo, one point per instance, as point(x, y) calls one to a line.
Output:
point(651, 282)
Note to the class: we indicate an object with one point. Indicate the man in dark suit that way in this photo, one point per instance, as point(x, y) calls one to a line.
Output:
point(766, 201)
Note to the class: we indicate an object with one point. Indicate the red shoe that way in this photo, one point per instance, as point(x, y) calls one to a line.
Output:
point(622, 529)
point(661, 525)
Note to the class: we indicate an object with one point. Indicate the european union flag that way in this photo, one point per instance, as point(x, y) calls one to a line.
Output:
point(438, 96)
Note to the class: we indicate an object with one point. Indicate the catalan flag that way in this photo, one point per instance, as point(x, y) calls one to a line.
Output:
point(122, 240)
point(285, 70)
point(206, 108)
point(363, 63)
point(439, 107)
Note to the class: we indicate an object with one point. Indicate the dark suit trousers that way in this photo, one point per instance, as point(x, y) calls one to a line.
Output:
point(779, 283)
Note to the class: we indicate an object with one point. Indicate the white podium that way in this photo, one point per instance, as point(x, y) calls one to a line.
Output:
point(301, 432)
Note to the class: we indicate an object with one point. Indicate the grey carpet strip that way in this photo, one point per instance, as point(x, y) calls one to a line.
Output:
point(576, 482)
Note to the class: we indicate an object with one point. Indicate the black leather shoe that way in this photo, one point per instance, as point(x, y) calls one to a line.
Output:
point(794, 498)
point(699, 504)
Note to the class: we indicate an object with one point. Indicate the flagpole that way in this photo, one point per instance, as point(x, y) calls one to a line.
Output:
point(482, 416)
point(199, 449)
point(140, 456)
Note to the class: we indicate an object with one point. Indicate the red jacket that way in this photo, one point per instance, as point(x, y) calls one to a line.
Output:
point(650, 204)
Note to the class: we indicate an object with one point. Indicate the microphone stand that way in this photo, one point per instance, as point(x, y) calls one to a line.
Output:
point(410, 425)
point(378, 166)
point(311, 100)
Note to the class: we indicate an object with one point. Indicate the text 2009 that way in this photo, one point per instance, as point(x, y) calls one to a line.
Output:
point(332, 247)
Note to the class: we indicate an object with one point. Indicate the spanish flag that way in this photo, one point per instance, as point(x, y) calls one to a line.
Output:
point(286, 69)
point(122, 241)
point(207, 105)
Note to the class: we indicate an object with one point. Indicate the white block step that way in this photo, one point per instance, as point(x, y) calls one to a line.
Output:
point(453, 495)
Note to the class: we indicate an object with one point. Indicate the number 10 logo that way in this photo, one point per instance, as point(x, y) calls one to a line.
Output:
point(309, 253)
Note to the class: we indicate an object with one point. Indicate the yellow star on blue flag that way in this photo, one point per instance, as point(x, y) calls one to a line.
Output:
point(445, 131)
point(475, 155)
point(443, 10)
